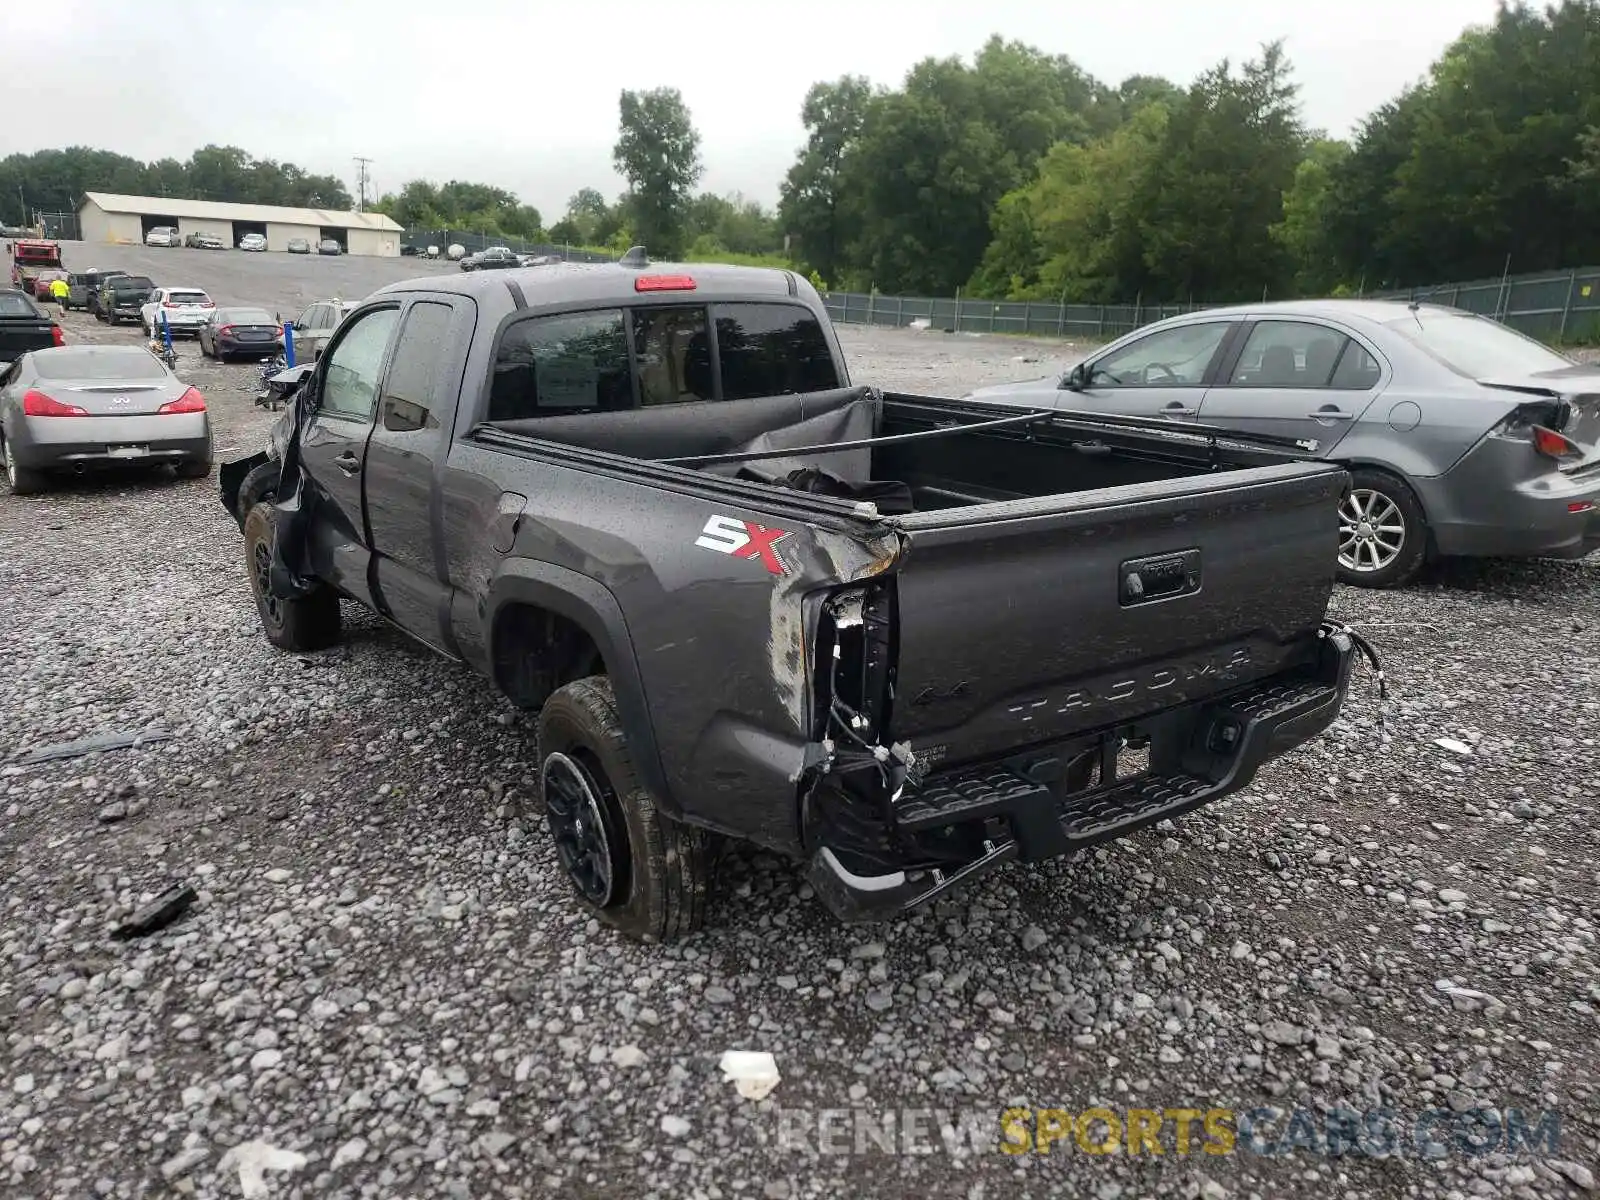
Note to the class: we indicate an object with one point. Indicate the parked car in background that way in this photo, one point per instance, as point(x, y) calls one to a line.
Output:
point(253, 241)
point(123, 296)
point(162, 235)
point(24, 326)
point(235, 331)
point(92, 279)
point(1462, 436)
point(316, 325)
point(74, 408)
point(329, 246)
point(29, 257)
point(407, 250)
point(205, 241)
point(183, 309)
point(42, 283)
point(82, 286)
point(299, 246)
point(494, 258)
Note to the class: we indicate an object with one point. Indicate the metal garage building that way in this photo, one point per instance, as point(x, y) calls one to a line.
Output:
point(103, 217)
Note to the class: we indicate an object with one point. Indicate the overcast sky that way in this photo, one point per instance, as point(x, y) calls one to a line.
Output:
point(524, 95)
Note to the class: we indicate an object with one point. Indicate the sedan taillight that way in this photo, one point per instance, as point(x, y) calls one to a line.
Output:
point(190, 402)
point(37, 404)
point(57, 337)
point(222, 329)
point(1554, 445)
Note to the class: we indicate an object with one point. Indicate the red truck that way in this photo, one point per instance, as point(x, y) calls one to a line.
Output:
point(28, 258)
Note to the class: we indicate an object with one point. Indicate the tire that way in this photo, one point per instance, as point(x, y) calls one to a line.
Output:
point(193, 468)
point(204, 353)
point(305, 623)
point(113, 319)
point(657, 873)
point(260, 484)
point(1367, 561)
point(24, 481)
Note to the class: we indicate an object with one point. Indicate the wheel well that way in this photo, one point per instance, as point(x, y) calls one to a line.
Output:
point(536, 651)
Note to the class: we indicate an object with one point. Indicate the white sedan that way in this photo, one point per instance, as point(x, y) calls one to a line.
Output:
point(184, 309)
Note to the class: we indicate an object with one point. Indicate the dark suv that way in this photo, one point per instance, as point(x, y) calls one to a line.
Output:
point(123, 296)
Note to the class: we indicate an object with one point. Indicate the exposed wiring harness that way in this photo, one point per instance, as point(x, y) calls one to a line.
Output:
point(1330, 629)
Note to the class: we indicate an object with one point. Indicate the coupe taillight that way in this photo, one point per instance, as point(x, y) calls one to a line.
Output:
point(37, 404)
point(190, 402)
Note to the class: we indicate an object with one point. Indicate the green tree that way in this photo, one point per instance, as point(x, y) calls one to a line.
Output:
point(1477, 163)
point(1304, 231)
point(1229, 154)
point(816, 206)
point(658, 153)
point(934, 158)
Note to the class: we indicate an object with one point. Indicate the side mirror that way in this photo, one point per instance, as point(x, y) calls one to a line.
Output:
point(1074, 379)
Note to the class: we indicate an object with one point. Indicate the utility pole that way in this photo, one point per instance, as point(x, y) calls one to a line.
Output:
point(361, 183)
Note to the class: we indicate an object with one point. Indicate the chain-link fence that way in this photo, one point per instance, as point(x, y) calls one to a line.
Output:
point(474, 242)
point(1553, 305)
point(957, 315)
point(1557, 306)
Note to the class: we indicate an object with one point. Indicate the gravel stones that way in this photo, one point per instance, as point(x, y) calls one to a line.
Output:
point(392, 981)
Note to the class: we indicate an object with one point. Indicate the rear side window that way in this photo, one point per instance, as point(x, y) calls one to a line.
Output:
point(1289, 354)
point(409, 388)
point(15, 304)
point(1357, 370)
point(560, 365)
point(770, 350)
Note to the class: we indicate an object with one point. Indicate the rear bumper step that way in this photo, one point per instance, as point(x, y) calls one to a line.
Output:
point(1219, 746)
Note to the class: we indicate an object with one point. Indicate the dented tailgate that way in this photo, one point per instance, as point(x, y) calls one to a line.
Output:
point(1029, 621)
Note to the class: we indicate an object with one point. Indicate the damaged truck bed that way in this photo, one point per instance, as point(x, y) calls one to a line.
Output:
point(902, 639)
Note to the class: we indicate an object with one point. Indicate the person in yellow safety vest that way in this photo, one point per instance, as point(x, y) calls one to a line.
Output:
point(58, 292)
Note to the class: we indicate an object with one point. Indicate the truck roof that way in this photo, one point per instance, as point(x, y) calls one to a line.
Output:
point(569, 283)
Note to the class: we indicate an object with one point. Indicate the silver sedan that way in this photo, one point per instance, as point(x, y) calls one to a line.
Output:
point(1462, 436)
point(78, 408)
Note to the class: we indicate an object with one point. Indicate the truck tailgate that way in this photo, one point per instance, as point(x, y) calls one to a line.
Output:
point(1031, 621)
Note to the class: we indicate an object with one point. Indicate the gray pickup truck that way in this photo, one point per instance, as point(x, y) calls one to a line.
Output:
point(901, 639)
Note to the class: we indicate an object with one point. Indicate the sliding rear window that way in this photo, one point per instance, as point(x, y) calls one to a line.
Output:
point(576, 363)
point(771, 350)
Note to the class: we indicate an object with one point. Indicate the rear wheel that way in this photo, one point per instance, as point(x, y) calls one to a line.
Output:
point(634, 869)
point(1383, 535)
point(24, 481)
point(299, 624)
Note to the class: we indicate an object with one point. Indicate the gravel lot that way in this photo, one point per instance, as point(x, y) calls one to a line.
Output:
point(384, 975)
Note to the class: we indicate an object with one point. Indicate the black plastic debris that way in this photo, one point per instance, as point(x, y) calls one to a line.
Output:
point(123, 740)
point(158, 914)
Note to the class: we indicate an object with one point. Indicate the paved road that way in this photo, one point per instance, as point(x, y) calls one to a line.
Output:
point(284, 283)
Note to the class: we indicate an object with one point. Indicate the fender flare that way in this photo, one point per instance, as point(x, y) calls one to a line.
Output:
point(588, 604)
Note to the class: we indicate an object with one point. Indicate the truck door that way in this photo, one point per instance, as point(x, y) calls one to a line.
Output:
point(410, 442)
point(333, 447)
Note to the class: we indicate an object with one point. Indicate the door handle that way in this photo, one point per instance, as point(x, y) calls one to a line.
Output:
point(1330, 414)
point(348, 462)
point(1178, 410)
